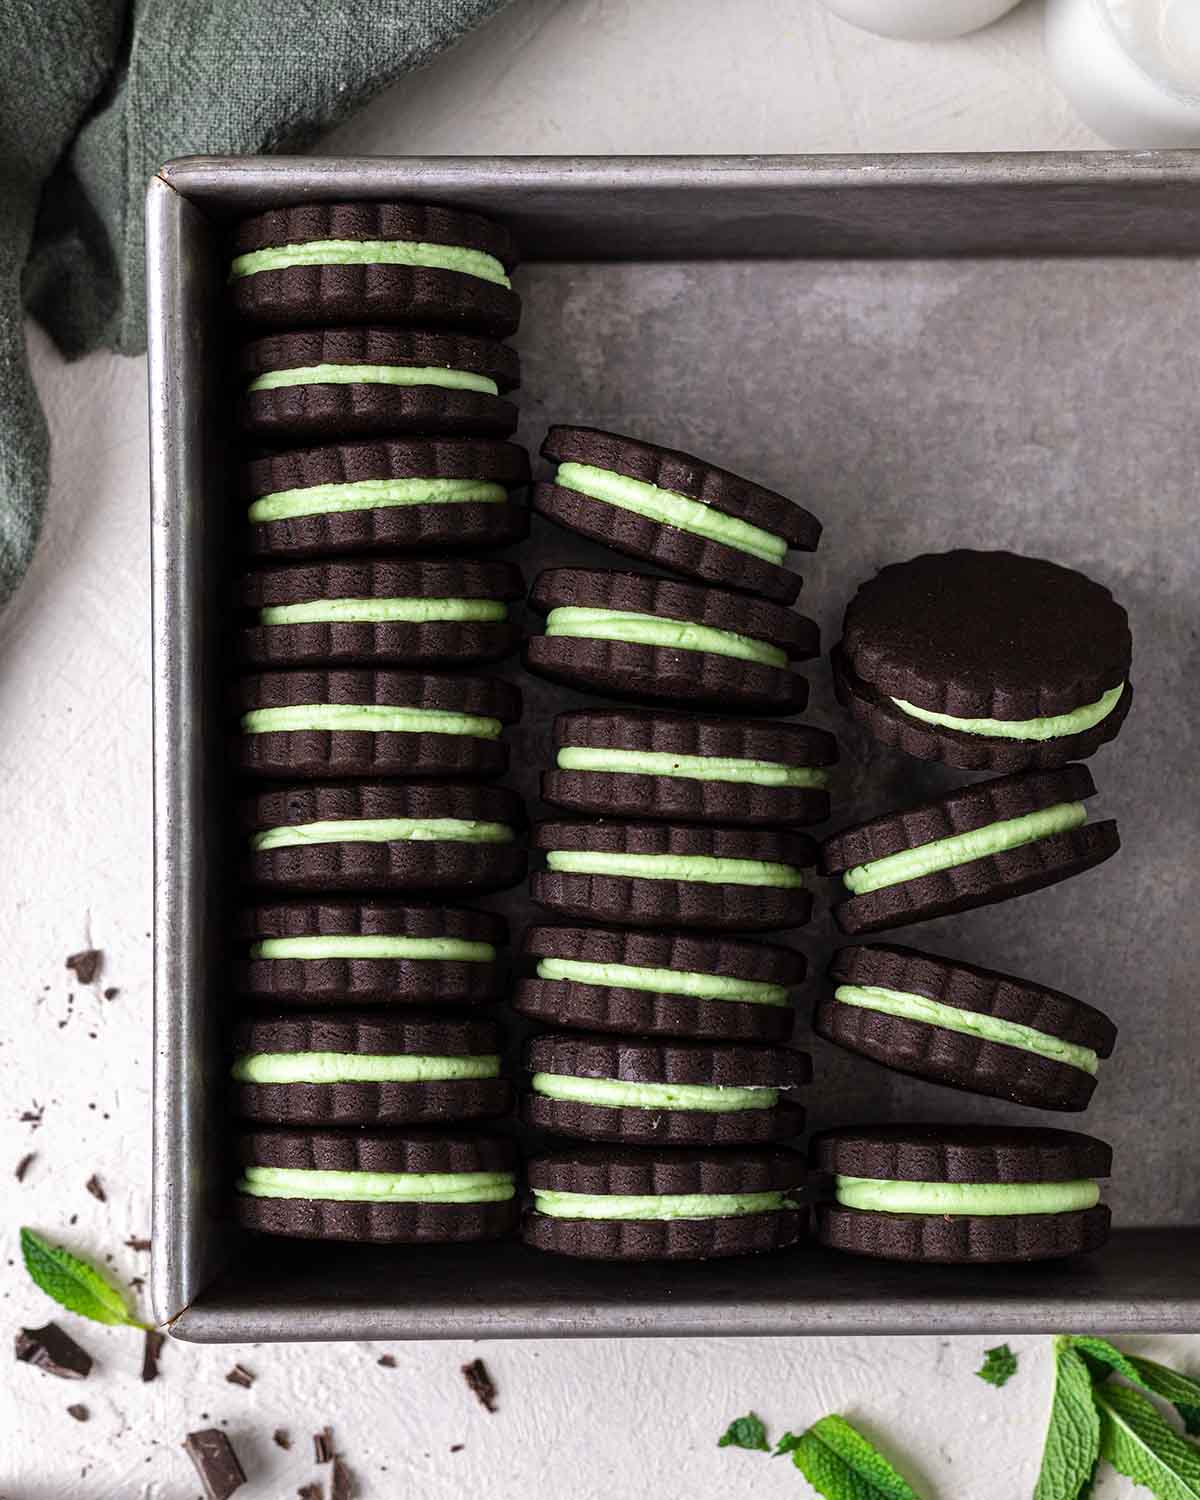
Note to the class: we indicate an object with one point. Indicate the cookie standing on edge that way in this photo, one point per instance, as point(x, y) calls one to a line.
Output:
point(377, 1187)
point(669, 508)
point(988, 661)
point(639, 763)
point(330, 383)
point(631, 635)
point(368, 1068)
point(677, 1093)
point(971, 1028)
point(973, 846)
point(674, 875)
point(962, 1194)
point(349, 953)
point(603, 1203)
point(659, 984)
point(420, 265)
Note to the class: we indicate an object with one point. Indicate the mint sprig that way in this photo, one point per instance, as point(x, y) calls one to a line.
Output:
point(76, 1285)
point(841, 1464)
point(745, 1432)
point(1136, 1440)
point(999, 1365)
point(1073, 1436)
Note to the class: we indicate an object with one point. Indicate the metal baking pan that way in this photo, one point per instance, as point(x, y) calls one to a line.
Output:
point(928, 351)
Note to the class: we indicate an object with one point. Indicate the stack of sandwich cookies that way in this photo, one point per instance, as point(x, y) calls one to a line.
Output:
point(385, 835)
point(679, 512)
point(968, 1027)
point(375, 1186)
point(371, 952)
point(631, 635)
point(644, 763)
point(609, 1203)
point(962, 1193)
point(975, 845)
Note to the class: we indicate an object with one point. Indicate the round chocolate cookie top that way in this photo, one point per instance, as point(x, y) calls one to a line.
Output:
point(485, 697)
point(386, 458)
point(369, 1033)
point(300, 348)
point(767, 963)
point(961, 1153)
point(367, 800)
point(331, 1150)
point(430, 223)
point(666, 1170)
point(381, 578)
point(767, 845)
point(987, 635)
point(288, 919)
point(663, 732)
point(718, 1065)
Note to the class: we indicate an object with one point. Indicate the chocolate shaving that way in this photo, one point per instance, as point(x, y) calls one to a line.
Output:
point(96, 1188)
point(86, 965)
point(135, 1243)
point(151, 1349)
point(54, 1350)
point(24, 1164)
point(79, 1412)
point(341, 1486)
point(282, 1440)
point(323, 1446)
point(216, 1463)
point(388, 1361)
point(481, 1384)
point(239, 1375)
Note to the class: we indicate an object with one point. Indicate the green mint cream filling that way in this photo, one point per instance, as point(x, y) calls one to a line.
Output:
point(383, 831)
point(359, 945)
point(374, 494)
point(663, 981)
point(616, 1093)
point(1052, 727)
point(962, 848)
point(968, 1023)
point(353, 1067)
point(657, 1205)
point(707, 869)
point(877, 1195)
point(367, 718)
point(669, 508)
point(692, 767)
point(372, 253)
point(649, 630)
point(423, 611)
point(325, 374)
point(378, 1187)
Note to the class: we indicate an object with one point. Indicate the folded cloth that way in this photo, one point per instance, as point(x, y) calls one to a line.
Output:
point(97, 94)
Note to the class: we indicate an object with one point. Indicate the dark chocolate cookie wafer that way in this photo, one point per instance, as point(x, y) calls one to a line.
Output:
point(673, 1093)
point(385, 835)
point(986, 660)
point(674, 875)
point(609, 1203)
point(968, 1027)
point(330, 383)
point(347, 953)
point(368, 1068)
point(315, 725)
point(377, 1187)
point(962, 1193)
point(659, 984)
point(630, 635)
point(680, 512)
point(393, 494)
point(645, 763)
point(419, 265)
point(380, 612)
point(973, 846)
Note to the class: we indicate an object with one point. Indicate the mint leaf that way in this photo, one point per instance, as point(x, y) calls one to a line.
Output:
point(788, 1443)
point(840, 1464)
point(1160, 1380)
point(1073, 1436)
point(1139, 1443)
point(79, 1287)
point(999, 1365)
point(745, 1432)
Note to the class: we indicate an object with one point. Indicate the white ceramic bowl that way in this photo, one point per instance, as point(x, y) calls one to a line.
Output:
point(920, 20)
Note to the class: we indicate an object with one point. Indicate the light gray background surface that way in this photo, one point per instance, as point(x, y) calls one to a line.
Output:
point(588, 1419)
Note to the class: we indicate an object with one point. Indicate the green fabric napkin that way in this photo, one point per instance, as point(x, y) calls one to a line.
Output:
point(96, 95)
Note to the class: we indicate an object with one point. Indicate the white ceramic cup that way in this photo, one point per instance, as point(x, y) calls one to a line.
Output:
point(920, 20)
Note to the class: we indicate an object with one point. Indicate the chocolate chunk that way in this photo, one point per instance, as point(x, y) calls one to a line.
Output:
point(151, 1349)
point(23, 1165)
point(86, 965)
point(480, 1383)
point(282, 1439)
point(323, 1445)
point(216, 1462)
point(135, 1242)
point(388, 1361)
point(52, 1349)
point(96, 1188)
point(239, 1375)
point(79, 1412)
point(341, 1486)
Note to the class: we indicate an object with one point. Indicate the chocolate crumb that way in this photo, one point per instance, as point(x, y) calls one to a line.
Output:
point(282, 1440)
point(32, 1116)
point(136, 1283)
point(388, 1361)
point(311, 1492)
point(151, 1349)
point(79, 1412)
point(86, 965)
point(52, 1349)
point(216, 1463)
point(457, 1447)
point(24, 1164)
point(111, 993)
point(134, 1243)
point(96, 1188)
point(323, 1446)
point(239, 1375)
point(481, 1384)
point(341, 1487)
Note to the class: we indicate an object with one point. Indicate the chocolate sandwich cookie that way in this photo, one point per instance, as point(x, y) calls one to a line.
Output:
point(641, 763)
point(315, 725)
point(630, 635)
point(329, 383)
point(368, 1068)
point(416, 264)
point(674, 875)
point(962, 1193)
point(382, 1187)
point(393, 494)
point(986, 660)
point(680, 512)
point(674, 1093)
point(385, 835)
point(379, 612)
point(349, 953)
point(605, 1203)
point(659, 984)
point(968, 1027)
point(975, 845)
